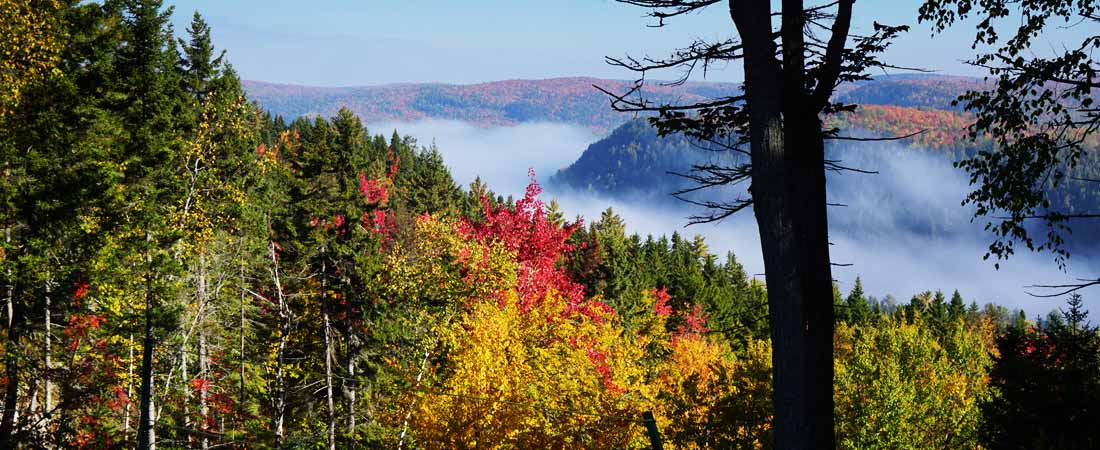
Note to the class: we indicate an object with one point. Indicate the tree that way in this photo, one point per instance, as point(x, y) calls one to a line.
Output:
point(149, 107)
point(1039, 112)
point(856, 309)
point(790, 75)
point(1048, 377)
point(31, 40)
point(904, 384)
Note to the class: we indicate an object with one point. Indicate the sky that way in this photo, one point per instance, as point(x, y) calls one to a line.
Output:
point(370, 42)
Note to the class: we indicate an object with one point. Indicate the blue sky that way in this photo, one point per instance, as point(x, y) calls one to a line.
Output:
point(366, 42)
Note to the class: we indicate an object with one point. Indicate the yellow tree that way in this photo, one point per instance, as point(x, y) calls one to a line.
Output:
point(899, 385)
point(30, 47)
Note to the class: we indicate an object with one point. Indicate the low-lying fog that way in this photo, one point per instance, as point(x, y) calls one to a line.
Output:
point(890, 259)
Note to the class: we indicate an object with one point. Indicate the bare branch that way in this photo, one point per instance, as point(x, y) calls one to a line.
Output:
point(876, 139)
point(834, 55)
point(664, 9)
point(1063, 289)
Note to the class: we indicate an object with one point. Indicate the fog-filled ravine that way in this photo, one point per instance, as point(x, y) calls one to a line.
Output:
point(902, 230)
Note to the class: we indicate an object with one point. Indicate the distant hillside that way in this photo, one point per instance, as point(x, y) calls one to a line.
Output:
point(921, 91)
point(563, 100)
point(632, 163)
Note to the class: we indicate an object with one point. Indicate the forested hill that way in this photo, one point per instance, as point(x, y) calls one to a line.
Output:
point(563, 100)
point(633, 163)
point(510, 102)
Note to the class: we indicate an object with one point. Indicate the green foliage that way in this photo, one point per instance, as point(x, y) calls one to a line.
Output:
point(1048, 377)
point(900, 385)
point(278, 260)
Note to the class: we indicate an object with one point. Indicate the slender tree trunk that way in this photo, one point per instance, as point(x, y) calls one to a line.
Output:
point(129, 385)
point(284, 329)
point(328, 353)
point(11, 372)
point(184, 417)
point(419, 377)
point(146, 420)
point(47, 398)
point(408, 414)
point(10, 288)
point(349, 379)
point(204, 373)
point(241, 394)
point(788, 192)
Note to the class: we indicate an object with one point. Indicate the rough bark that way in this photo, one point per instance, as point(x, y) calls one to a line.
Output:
point(788, 189)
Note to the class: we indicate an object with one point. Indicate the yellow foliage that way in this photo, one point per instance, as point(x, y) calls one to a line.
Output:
point(442, 268)
point(506, 376)
point(710, 398)
point(30, 47)
point(534, 379)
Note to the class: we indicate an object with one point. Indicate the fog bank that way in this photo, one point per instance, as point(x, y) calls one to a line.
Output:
point(903, 229)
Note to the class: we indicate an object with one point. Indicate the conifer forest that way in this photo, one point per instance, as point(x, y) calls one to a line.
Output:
point(191, 260)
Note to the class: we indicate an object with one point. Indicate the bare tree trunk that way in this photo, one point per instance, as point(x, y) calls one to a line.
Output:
point(147, 420)
point(408, 414)
point(204, 373)
point(10, 288)
point(328, 353)
point(47, 398)
point(349, 379)
point(284, 328)
point(788, 192)
point(241, 393)
point(184, 417)
point(129, 385)
point(11, 371)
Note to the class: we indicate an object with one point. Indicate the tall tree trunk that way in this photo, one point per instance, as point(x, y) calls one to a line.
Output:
point(11, 372)
point(10, 288)
point(47, 398)
point(788, 189)
point(284, 328)
point(349, 378)
point(182, 413)
point(240, 372)
point(328, 352)
point(129, 384)
point(412, 403)
point(146, 420)
point(204, 373)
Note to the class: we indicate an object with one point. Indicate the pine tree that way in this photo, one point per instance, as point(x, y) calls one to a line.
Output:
point(150, 103)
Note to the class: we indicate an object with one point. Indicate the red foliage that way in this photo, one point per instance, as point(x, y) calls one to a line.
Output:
point(120, 401)
point(662, 308)
point(695, 322)
point(539, 244)
point(374, 190)
point(200, 384)
point(599, 360)
point(80, 325)
point(80, 292)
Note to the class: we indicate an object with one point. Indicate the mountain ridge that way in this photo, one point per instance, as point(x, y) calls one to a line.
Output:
point(570, 100)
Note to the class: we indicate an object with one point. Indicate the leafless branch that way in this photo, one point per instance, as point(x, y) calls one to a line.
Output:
point(1063, 289)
